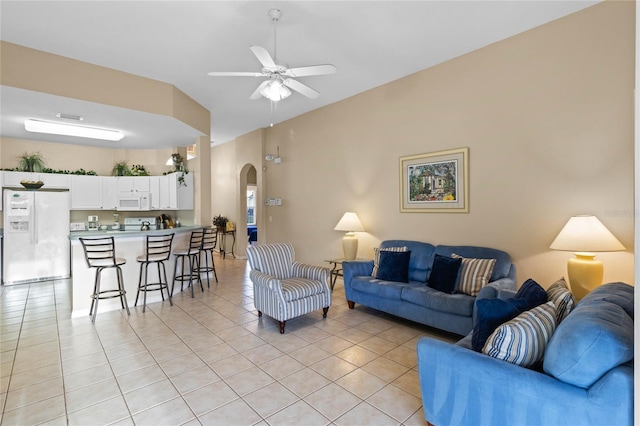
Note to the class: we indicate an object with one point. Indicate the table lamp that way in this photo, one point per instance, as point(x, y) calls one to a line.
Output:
point(349, 223)
point(585, 235)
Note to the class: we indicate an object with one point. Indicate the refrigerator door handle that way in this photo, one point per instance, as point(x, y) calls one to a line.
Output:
point(34, 222)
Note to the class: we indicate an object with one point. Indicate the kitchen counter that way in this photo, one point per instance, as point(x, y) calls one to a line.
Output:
point(74, 235)
point(129, 245)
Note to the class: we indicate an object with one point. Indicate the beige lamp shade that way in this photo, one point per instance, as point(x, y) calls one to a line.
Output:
point(585, 235)
point(349, 223)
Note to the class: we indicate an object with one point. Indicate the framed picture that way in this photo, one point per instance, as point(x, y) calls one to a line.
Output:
point(435, 182)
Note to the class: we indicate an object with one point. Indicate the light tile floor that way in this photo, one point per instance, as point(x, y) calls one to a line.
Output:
point(208, 360)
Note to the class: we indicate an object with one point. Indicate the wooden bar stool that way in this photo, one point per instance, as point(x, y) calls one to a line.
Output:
point(100, 254)
point(158, 250)
point(209, 241)
point(189, 254)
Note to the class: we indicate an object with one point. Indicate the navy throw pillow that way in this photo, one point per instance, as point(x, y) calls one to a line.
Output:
point(533, 292)
point(394, 266)
point(492, 313)
point(444, 273)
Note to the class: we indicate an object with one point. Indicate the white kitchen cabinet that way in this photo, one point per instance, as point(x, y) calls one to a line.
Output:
point(14, 178)
point(109, 192)
point(133, 183)
point(54, 180)
point(168, 193)
point(86, 192)
point(181, 194)
point(51, 180)
point(154, 189)
point(165, 192)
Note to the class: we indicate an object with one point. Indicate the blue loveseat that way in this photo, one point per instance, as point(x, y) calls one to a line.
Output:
point(416, 301)
point(586, 376)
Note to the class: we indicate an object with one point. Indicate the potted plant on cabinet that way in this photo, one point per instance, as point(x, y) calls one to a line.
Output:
point(30, 163)
point(121, 168)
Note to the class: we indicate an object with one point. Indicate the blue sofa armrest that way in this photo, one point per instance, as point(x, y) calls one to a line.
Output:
point(354, 268)
point(463, 387)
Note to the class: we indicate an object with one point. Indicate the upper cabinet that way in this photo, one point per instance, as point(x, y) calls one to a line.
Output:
point(133, 183)
point(172, 192)
point(86, 192)
point(51, 180)
point(169, 192)
point(181, 191)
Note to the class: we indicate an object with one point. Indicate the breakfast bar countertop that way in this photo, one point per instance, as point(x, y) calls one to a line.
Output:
point(74, 235)
point(129, 245)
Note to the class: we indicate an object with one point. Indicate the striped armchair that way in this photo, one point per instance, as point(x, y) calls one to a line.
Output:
point(283, 288)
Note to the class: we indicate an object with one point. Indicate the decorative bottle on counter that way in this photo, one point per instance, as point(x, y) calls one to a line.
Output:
point(178, 223)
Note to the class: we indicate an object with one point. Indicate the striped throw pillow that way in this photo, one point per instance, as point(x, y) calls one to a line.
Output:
point(474, 274)
point(522, 340)
point(376, 257)
point(561, 296)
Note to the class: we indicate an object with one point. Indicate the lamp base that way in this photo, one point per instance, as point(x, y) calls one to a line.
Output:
point(585, 274)
point(350, 246)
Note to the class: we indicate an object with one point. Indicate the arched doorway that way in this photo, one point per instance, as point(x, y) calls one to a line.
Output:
point(249, 210)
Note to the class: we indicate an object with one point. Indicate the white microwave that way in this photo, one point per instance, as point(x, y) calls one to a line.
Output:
point(135, 201)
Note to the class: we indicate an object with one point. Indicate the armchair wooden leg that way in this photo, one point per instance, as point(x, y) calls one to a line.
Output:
point(324, 312)
point(282, 326)
point(351, 304)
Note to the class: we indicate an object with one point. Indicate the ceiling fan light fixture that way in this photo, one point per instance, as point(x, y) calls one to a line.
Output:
point(275, 91)
point(64, 129)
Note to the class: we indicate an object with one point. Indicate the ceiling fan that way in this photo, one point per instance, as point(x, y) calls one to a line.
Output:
point(280, 77)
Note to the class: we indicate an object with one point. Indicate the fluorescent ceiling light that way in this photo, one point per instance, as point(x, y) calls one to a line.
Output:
point(40, 126)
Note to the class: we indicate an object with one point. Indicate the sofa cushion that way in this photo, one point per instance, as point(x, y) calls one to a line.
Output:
point(533, 293)
point(596, 337)
point(384, 289)
point(522, 340)
point(501, 269)
point(444, 273)
point(474, 274)
point(421, 257)
point(376, 256)
point(561, 296)
point(490, 313)
point(457, 304)
point(394, 266)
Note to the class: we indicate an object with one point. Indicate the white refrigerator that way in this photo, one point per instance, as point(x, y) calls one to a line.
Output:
point(36, 243)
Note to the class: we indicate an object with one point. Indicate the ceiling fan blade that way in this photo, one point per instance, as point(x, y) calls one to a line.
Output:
point(301, 88)
point(256, 94)
point(311, 70)
point(236, 74)
point(264, 57)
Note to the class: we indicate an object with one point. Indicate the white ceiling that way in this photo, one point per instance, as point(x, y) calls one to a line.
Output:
point(178, 42)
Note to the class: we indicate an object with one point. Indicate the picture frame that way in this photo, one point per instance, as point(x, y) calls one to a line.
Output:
point(436, 182)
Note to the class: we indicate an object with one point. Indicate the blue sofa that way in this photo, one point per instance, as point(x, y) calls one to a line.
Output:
point(416, 301)
point(586, 376)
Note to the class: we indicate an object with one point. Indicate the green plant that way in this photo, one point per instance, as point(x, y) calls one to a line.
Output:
point(181, 181)
point(138, 170)
point(220, 221)
point(121, 168)
point(178, 163)
point(30, 163)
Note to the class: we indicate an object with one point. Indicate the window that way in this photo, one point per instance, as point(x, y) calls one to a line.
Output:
point(251, 205)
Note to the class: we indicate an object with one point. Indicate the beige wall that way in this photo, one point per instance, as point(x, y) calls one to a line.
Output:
point(231, 168)
point(45, 72)
point(547, 116)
